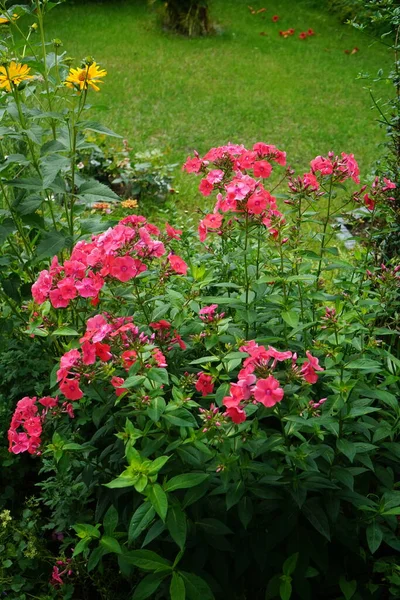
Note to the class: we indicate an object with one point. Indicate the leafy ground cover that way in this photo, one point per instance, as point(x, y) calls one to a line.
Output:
point(171, 92)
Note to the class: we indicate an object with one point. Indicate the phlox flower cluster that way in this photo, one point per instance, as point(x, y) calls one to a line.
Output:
point(376, 195)
point(256, 384)
point(208, 314)
point(115, 341)
point(204, 384)
point(226, 170)
point(27, 423)
point(386, 276)
point(165, 335)
point(120, 253)
point(342, 168)
point(61, 569)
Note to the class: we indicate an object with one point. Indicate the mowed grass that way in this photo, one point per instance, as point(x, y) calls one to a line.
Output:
point(183, 94)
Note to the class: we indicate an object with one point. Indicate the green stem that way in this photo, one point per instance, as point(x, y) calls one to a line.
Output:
point(246, 274)
point(46, 74)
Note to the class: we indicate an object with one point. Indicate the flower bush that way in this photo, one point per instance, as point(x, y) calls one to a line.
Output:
point(223, 417)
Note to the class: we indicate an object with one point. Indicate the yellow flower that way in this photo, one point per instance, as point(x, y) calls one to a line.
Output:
point(5, 20)
point(101, 206)
point(80, 79)
point(13, 73)
point(131, 203)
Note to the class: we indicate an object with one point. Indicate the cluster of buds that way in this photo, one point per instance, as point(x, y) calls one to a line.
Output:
point(312, 408)
point(211, 418)
point(208, 314)
point(386, 275)
point(306, 185)
point(61, 569)
point(329, 318)
point(165, 335)
point(376, 195)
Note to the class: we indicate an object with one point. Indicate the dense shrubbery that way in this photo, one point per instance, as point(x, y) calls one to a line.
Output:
point(200, 414)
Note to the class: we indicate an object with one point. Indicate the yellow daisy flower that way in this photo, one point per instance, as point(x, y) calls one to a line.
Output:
point(131, 203)
point(5, 20)
point(14, 73)
point(80, 79)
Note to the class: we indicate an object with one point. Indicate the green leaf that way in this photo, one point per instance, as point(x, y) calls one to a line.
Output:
point(235, 492)
point(196, 587)
point(110, 544)
point(317, 517)
point(155, 530)
point(177, 588)
point(347, 448)
point(204, 359)
point(84, 530)
point(285, 588)
point(177, 527)
point(51, 165)
point(366, 364)
point(290, 563)
point(110, 520)
point(158, 464)
point(147, 560)
point(374, 536)
point(148, 586)
point(245, 511)
point(158, 375)
point(184, 481)
point(291, 317)
point(178, 421)
point(134, 381)
point(94, 558)
point(29, 205)
point(51, 243)
point(348, 588)
point(159, 500)
point(121, 482)
point(156, 408)
point(141, 518)
point(65, 331)
point(97, 127)
point(94, 191)
point(214, 527)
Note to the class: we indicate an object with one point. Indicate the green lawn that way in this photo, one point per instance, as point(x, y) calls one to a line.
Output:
point(180, 94)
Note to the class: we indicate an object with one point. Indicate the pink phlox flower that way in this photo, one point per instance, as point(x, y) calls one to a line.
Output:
point(262, 168)
point(206, 187)
point(207, 312)
point(97, 329)
point(389, 185)
point(213, 221)
point(310, 181)
point(173, 233)
point(192, 165)
point(323, 165)
point(268, 391)
point(204, 384)
point(351, 168)
point(177, 264)
point(309, 368)
point(88, 353)
point(70, 388)
point(215, 176)
point(48, 402)
point(202, 231)
point(42, 286)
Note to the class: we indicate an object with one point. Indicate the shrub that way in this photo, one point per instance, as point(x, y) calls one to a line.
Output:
point(188, 17)
point(223, 421)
